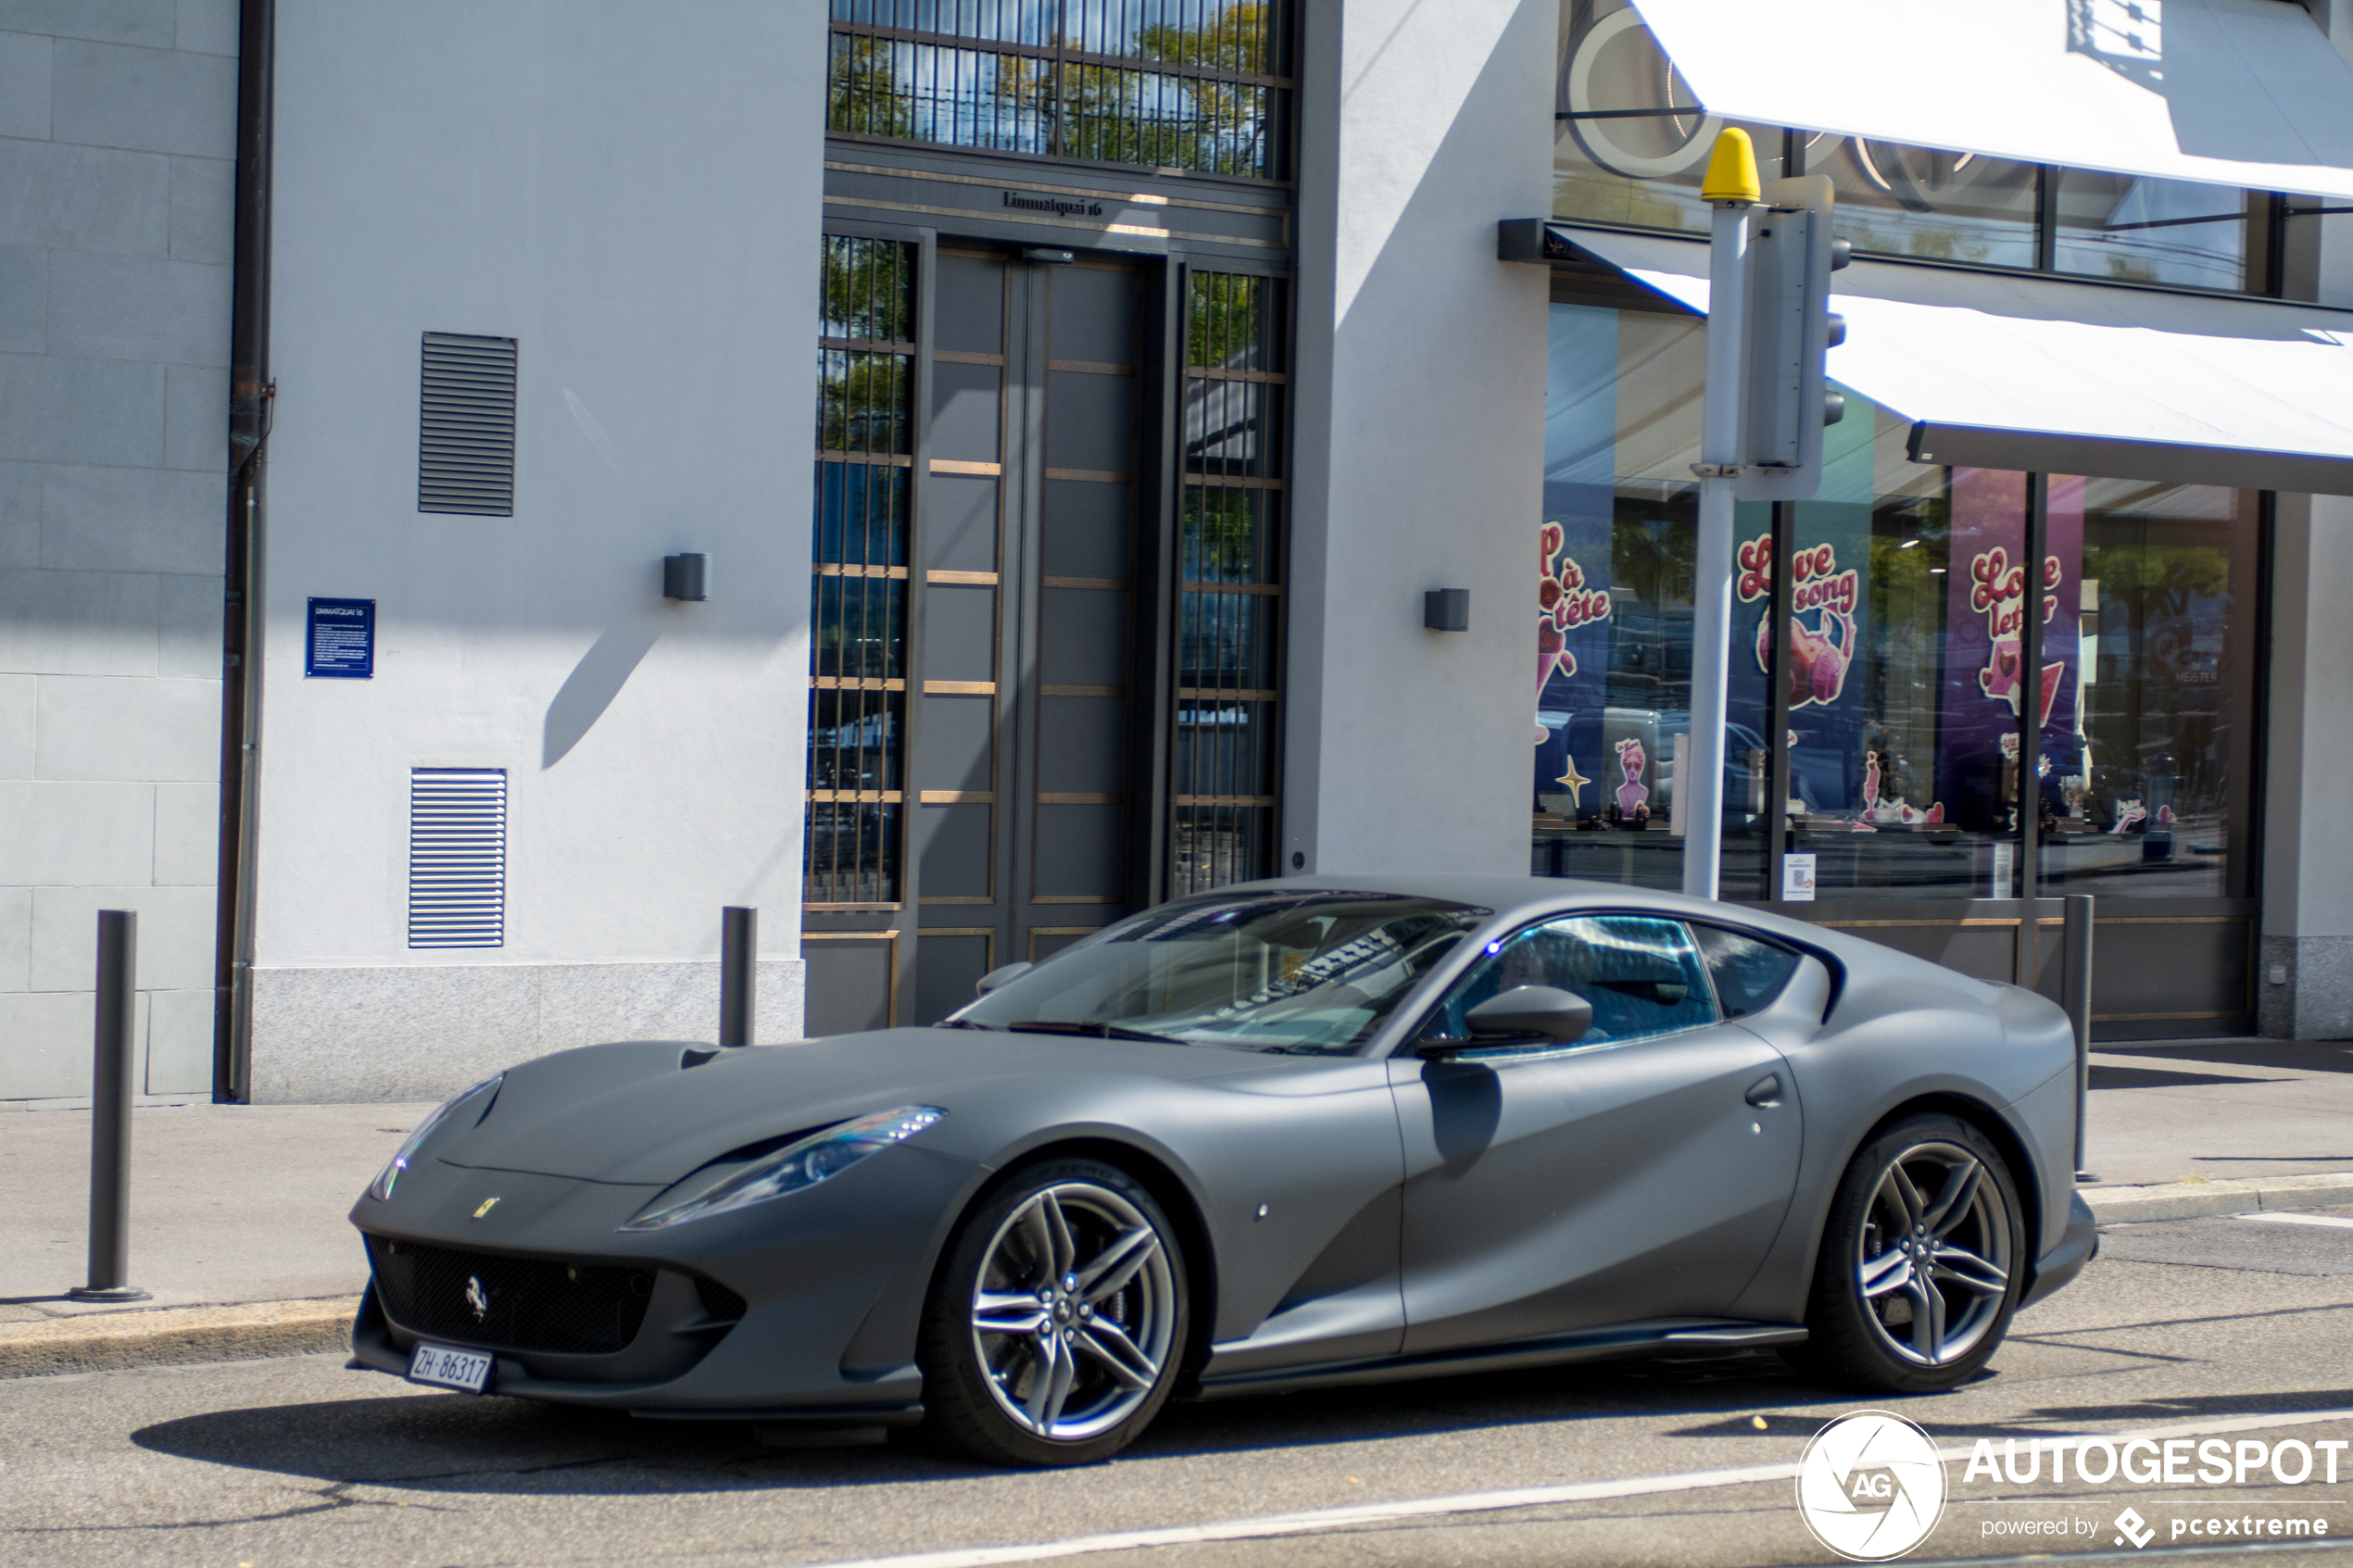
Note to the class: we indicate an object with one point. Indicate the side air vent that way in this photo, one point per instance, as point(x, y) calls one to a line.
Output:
point(466, 428)
point(456, 858)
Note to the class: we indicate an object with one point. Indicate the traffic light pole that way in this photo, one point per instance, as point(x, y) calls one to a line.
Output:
point(1732, 187)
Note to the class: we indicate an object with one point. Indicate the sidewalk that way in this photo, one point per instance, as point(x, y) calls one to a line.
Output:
point(237, 1232)
point(238, 1228)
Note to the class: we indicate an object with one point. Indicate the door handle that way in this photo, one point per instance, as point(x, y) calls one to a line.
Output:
point(1766, 1090)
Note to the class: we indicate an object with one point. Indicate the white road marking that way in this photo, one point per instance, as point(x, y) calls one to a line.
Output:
point(2336, 1219)
point(1312, 1521)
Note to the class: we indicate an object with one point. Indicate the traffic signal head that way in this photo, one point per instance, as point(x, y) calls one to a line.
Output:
point(1785, 398)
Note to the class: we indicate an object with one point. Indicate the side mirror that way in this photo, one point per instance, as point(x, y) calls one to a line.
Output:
point(1000, 975)
point(1543, 1012)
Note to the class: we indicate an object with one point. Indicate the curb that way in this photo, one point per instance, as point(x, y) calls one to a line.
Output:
point(2190, 1200)
point(172, 1336)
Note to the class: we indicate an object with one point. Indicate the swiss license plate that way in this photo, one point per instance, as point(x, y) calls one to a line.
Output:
point(446, 1367)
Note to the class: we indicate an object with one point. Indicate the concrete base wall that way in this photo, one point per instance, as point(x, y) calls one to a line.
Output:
point(2312, 998)
point(425, 1032)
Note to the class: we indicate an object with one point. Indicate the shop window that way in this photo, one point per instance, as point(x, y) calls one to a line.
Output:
point(1895, 200)
point(2151, 231)
point(1908, 596)
point(857, 676)
point(1904, 659)
point(1613, 610)
point(1629, 142)
point(1630, 145)
point(1192, 84)
point(2147, 753)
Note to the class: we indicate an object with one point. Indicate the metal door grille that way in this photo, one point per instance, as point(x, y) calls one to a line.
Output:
point(466, 427)
point(456, 858)
point(857, 675)
point(1229, 560)
point(1201, 85)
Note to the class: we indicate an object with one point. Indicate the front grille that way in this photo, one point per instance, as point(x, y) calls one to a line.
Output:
point(509, 1303)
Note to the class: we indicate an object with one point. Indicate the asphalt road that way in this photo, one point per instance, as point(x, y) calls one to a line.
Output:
point(2230, 1326)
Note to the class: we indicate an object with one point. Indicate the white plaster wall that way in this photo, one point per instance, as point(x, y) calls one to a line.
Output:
point(1419, 451)
point(634, 191)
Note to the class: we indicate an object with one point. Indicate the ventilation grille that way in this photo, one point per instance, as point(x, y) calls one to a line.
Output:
point(466, 434)
point(456, 858)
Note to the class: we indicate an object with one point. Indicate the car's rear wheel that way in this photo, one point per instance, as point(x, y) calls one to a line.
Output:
point(1920, 1265)
point(1054, 1330)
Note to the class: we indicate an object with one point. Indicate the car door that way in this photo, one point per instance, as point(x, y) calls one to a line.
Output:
point(1637, 1172)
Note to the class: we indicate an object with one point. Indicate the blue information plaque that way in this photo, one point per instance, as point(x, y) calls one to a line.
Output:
point(343, 639)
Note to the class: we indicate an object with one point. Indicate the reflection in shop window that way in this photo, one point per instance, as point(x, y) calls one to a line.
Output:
point(1613, 610)
point(2145, 782)
point(1632, 143)
point(1895, 200)
point(1910, 602)
point(2151, 231)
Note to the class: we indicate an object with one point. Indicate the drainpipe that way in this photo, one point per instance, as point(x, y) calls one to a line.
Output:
point(250, 392)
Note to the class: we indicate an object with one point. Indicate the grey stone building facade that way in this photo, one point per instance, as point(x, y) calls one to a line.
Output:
point(118, 130)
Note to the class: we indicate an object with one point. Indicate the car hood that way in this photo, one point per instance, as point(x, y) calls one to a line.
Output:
point(649, 1112)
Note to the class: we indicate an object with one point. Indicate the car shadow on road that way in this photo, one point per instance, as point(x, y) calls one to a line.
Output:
point(467, 1443)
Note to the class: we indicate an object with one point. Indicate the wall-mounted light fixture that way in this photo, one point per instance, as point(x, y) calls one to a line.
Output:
point(685, 577)
point(1446, 609)
point(1046, 256)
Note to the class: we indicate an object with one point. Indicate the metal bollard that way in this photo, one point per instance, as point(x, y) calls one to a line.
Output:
point(110, 1113)
point(739, 957)
point(2075, 991)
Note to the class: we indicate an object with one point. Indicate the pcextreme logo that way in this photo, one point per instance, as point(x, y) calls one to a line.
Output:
point(1870, 1487)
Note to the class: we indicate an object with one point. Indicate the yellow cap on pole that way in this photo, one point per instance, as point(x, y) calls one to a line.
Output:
point(1731, 170)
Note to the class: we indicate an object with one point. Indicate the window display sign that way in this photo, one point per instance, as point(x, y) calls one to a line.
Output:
point(1572, 670)
point(1990, 592)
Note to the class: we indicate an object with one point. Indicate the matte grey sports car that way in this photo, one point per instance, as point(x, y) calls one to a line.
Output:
point(1312, 1131)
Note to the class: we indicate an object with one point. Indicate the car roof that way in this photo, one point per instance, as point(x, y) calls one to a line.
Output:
point(1521, 897)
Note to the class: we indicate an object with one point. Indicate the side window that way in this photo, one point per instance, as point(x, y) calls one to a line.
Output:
point(1642, 976)
point(1749, 970)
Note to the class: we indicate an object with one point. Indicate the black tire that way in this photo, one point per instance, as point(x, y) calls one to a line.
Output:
point(1877, 1319)
point(1114, 1340)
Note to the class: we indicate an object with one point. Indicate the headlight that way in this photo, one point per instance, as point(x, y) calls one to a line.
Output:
point(381, 1187)
point(796, 1165)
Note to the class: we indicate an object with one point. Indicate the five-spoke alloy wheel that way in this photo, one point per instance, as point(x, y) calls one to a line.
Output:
point(1920, 1270)
point(1053, 1332)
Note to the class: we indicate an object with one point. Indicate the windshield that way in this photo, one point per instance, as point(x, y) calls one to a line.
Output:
point(1314, 973)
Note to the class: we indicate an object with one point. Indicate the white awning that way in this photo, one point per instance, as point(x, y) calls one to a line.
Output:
point(2244, 93)
point(2059, 378)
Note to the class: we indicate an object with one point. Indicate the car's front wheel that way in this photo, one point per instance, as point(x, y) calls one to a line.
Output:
point(1055, 1329)
point(1920, 1265)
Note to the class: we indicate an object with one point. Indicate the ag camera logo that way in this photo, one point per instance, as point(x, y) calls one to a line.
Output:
point(1870, 1487)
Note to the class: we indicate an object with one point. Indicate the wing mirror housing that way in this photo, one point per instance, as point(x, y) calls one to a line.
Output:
point(1542, 1013)
point(1000, 975)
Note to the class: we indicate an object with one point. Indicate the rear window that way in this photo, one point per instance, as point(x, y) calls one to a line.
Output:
point(1749, 970)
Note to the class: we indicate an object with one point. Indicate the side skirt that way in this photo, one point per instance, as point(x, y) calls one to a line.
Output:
point(1700, 1334)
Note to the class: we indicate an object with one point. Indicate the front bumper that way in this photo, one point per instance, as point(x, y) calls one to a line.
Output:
point(829, 1282)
